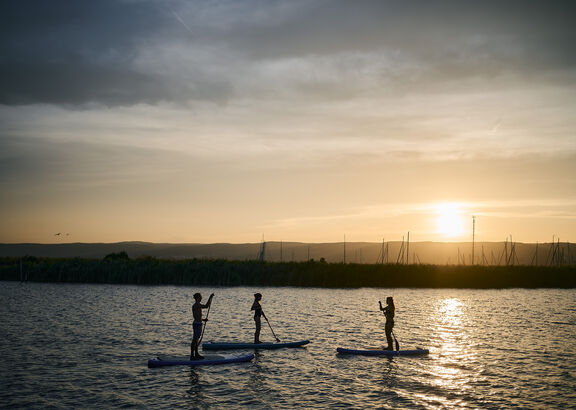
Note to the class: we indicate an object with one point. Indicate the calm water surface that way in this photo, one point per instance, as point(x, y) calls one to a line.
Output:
point(70, 346)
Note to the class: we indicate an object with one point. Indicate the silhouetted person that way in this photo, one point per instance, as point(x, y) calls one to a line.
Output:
point(258, 313)
point(389, 311)
point(197, 324)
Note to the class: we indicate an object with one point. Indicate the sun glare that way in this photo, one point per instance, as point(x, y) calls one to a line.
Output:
point(449, 220)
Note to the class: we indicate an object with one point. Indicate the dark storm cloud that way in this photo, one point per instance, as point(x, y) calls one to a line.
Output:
point(513, 34)
point(69, 52)
point(72, 52)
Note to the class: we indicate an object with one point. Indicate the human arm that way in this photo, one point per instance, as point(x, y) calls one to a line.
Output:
point(385, 309)
point(257, 308)
point(207, 305)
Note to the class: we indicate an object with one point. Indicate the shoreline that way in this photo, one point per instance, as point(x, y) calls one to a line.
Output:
point(219, 272)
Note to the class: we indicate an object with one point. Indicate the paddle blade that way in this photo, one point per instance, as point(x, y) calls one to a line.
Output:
point(396, 342)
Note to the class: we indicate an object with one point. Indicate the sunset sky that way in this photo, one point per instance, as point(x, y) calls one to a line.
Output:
point(230, 120)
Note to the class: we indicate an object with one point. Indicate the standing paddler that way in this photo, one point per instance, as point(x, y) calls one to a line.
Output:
point(389, 310)
point(258, 313)
point(197, 324)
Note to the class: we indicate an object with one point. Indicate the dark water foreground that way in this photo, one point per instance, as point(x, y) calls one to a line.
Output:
point(87, 346)
point(152, 271)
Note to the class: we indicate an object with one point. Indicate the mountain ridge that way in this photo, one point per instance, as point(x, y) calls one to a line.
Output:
point(429, 252)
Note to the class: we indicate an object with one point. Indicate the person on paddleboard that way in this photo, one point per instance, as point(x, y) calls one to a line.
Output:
point(389, 310)
point(197, 324)
point(258, 313)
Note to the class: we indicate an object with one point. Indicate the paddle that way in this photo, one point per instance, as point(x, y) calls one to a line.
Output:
point(276, 337)
point(396, 342)
point(205, 320)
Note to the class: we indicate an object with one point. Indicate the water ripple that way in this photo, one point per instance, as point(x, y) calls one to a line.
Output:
point(71, 346)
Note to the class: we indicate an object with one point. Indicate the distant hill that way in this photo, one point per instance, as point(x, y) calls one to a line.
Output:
point(438, 253)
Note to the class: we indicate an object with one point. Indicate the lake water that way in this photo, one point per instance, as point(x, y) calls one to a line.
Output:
point(86, 346)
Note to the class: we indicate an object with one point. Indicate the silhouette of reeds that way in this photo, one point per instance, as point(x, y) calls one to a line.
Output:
point(220, 272)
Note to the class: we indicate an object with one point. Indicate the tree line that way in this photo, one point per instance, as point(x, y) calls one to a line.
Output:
point(118, 268)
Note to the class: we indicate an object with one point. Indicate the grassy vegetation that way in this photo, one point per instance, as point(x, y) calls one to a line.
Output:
point(118, 268)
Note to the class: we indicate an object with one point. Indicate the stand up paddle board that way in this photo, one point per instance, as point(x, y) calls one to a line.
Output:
point(207, 361)
point(224, 346)
point(380, 352)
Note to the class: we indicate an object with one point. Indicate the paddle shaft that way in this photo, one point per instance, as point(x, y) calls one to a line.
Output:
point(396, 341)
point(276, 337)
point(205, 323)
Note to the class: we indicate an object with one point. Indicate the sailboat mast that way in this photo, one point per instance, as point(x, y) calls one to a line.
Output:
point(408, 249)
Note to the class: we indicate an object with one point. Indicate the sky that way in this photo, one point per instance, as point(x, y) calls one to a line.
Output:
point(234, 121)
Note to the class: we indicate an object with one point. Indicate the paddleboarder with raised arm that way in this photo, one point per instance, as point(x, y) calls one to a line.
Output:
point(389, 310)
point(197, 324)
point(258, 313)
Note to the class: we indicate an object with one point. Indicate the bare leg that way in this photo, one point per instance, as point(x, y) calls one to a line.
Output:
point(388, 329)
point(198, 355)
point(194, 355)
point(257, 332)
point(193, 348)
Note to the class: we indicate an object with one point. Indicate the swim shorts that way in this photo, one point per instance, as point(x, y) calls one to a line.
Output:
point(197, 327)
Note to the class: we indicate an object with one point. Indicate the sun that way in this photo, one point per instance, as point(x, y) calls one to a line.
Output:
point(449, 221)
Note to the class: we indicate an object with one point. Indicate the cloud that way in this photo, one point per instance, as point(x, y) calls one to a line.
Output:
point(67, 52)
point(396, 217)
point(146, 51)
point(300, 112)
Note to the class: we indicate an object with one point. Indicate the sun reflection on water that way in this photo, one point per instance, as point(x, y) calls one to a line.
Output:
point(450, 310)
point(453, 368)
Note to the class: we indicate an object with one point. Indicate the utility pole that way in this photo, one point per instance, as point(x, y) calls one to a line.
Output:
point(473, 234)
